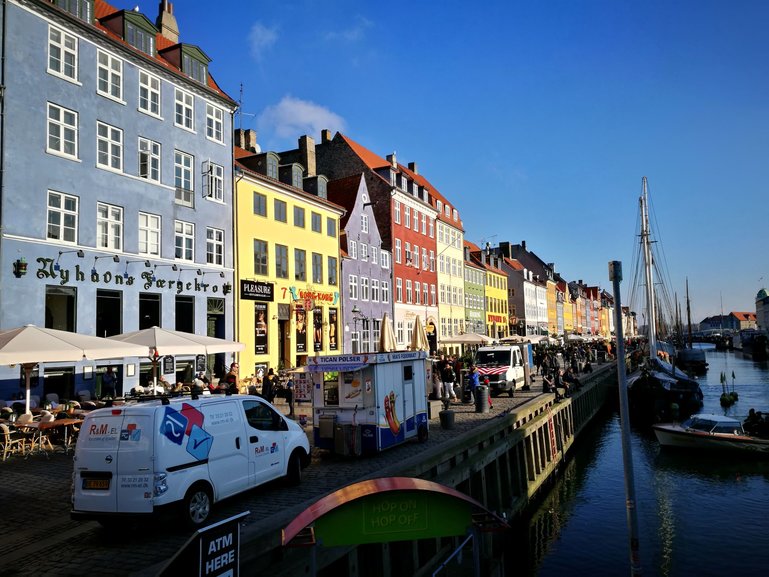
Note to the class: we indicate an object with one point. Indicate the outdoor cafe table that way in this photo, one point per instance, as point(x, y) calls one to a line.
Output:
point(38, 427)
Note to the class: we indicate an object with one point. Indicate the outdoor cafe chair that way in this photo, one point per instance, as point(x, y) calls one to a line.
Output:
point(12, 441)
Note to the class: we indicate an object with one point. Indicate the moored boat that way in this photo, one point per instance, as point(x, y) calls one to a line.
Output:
point(711, 432)
point(658, 391)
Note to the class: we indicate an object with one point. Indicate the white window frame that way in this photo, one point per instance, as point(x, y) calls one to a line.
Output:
point(213, 181)
point(353, 252)
point(149, 157)
point(214, 246)
point(62, 215)
point(398, 250)
point(109, 147)
point(109, 226)
point(353, 287)
point(214, 123)
point(364, 251)
point(399, 290)
point(184, 173)
point(385, 259)
point(417, 292)
point(397, 212)
point(67, 46)
point(149, 93)
point(109, 76)
point(364, 223)
point(63, 122)
point(149, 234)
point(409, 295)
point(364, 288)
point(407, 216)
point(374, 255)
point(385, 291)
point(184, 232)
point(184, 110)
point(374, 290)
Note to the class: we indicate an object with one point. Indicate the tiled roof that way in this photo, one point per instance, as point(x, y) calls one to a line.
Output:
point(298, 191)
point(373, 161)
point(745, 316)
point(103, 9)
point(514, 264)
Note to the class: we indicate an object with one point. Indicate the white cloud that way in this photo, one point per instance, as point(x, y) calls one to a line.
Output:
point(353, 33)
point(261, 38)
point(293, 117)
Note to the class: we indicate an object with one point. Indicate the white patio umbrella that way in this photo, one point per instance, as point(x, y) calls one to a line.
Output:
point(419, 340)
point(386, 335)
point(29, 345)
point(469, 339)
point(159, 342)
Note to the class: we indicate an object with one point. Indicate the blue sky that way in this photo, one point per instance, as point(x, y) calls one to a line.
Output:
point(538, 119)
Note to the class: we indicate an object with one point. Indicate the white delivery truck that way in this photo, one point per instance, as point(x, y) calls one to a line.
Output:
point(503, 368)
point(141, 457)
point(366, 403)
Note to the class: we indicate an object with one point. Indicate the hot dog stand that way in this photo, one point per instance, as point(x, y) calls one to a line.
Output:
point(366, 403)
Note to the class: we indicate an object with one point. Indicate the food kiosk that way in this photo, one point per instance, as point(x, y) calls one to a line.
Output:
point(366, 403)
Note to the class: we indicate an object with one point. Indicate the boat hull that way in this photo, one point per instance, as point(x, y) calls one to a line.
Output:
point(675, 436)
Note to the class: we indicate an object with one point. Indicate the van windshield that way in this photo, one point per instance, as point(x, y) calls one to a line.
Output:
point(492, 358)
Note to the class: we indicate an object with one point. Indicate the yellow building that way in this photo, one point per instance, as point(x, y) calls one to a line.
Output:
point(568, 310)
point(496, 300)
point(552, 308)
point(287, 265)
point(451, 276)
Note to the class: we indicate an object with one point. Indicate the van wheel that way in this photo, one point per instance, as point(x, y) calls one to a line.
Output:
point(294, 470)
point(422, 433)
point(196, 506)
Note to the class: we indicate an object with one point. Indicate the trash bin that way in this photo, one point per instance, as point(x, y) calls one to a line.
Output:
point(447, 419)
point(481, 393)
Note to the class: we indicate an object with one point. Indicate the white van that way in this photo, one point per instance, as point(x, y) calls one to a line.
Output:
point(501, 368)
point(137, 458)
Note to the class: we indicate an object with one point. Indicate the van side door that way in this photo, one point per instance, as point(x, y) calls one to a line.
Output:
point(266, 432)
point(224, 429)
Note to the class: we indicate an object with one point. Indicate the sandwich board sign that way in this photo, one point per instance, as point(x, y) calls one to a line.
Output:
point(213, 551)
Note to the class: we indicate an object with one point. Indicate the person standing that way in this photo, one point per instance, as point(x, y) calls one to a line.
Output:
point(448, 377)
point(269, 386)
point(108, 383)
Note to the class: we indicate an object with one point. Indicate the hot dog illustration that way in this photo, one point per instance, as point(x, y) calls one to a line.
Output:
point(389, 408)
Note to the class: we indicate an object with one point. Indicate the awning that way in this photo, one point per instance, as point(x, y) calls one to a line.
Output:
point(330, 367)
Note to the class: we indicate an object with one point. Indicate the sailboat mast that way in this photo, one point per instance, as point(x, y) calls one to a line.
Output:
point(651, 314)
point(688, 313)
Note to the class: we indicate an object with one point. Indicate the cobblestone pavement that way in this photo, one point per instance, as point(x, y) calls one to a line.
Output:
point(37, 537)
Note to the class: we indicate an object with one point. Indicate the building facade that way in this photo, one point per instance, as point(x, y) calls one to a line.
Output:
point(117, 182)
point(289, 300)
point(366, 267)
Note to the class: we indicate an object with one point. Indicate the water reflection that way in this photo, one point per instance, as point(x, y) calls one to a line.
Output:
point(698, 514)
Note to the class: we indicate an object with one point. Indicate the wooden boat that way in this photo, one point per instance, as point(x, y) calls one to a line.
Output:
point(711, 432)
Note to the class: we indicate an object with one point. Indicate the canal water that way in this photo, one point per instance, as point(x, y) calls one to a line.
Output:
point(697, 514)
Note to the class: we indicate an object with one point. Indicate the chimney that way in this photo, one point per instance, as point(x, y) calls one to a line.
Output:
point(166, 22)
point(523, 244)
point(307, 153)
point(325, 136)
point(246, 139)
point(413, 167)
point(579, 281)
point(392, 160)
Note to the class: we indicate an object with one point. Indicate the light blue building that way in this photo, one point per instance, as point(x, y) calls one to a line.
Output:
point(116, 190)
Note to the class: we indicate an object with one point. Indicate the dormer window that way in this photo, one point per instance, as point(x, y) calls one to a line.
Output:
point(272, 167)
point(194, 68)
point(140, 39)
point(439, 205)
point(139, 32)
point(322, 187)
point(82, 9)
point(296, 176)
